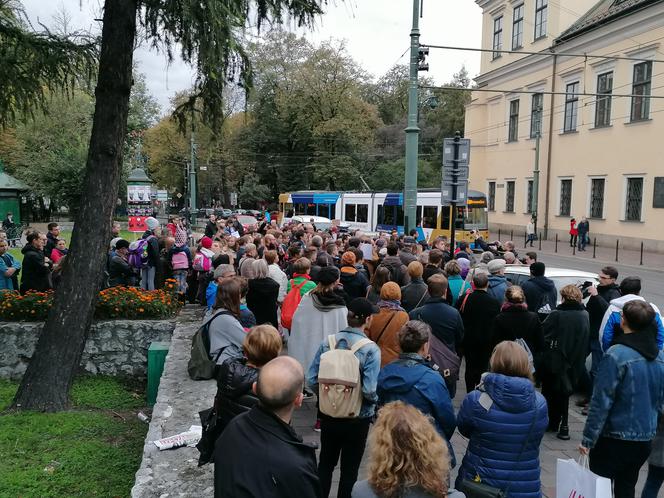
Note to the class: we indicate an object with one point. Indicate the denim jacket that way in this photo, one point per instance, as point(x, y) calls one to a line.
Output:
point(628, 394)
point(369, 357)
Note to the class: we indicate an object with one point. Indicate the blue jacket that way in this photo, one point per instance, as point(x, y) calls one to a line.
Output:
point(628, 391)
point(497, 287)
point(7, 261)
point(610, 326)
point(496, 419)
point(411, 380)
point(457, 283)
point(445, 321)
point(369, 357)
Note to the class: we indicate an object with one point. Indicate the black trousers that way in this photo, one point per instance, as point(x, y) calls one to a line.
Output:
point(345, 438)
point(557, 403)
point(473, 374)
point(619, 461)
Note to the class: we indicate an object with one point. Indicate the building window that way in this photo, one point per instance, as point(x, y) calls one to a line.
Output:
point(571, 106)
point(540, 18)
point(634, 199)
point(603, 104)
point(529, 196)
point(565, 197)
point(536, 115)
point(517, 27)
point(597, 197)
point(509, 196)
point(514, 121)
point(492, 196)
point(362, 213)
point(641, 91)
point(497, 36)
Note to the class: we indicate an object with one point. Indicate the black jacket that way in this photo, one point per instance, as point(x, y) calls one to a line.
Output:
point(513, 323)
point(478, 314)
point(540, 291)
point(262, 456)
point(51, 242)
point(355, 284)
point(597, 306)
point(414, 294)
point(153, 248)
point(445, 321)
point(210, 229)
point(398, 271)
point(120, 273)
point(262, 300)
point(35, 274)
point(431, 270)
point(234, 389)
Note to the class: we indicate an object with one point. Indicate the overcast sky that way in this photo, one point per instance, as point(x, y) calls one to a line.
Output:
point(376, 32)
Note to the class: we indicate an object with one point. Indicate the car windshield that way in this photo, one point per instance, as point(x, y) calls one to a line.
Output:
point(246, 220)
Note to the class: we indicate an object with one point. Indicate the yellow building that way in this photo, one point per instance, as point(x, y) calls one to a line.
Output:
point(601, 151)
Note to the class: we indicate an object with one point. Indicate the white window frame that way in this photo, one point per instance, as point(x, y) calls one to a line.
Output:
point(495, 194)
point(589, 196)
point(623, 204)
point(509, 118)
point(559, 196)
point(497, 49)
point(513, 211)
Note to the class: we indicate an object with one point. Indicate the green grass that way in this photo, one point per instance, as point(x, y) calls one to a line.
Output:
point(87, 451)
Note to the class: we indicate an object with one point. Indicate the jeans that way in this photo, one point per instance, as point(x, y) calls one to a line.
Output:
point(345, 438)
point(530, 238)
point(653, 482)
point(620, 461)
point(147, 277)
point(558, 405)
point(596, 357)
point(583, 240)
point(181, 277)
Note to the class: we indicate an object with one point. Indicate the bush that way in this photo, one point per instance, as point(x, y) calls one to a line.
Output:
point(115, 302)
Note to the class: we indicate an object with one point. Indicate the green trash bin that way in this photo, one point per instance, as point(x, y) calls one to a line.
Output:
point(156, 358)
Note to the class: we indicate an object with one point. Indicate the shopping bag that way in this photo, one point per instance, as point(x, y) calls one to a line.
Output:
point(575, 480)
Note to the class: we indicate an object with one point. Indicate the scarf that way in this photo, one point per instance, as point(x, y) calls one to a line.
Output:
point(514, 307)
point(390, 304)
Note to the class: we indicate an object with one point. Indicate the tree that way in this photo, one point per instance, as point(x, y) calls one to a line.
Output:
point(208, 33)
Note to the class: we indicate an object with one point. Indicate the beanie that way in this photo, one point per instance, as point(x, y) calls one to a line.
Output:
point(152, 223)
point(206, 242)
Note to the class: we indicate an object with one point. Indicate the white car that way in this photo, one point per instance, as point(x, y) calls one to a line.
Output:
point(320, 222)
point(561, 276)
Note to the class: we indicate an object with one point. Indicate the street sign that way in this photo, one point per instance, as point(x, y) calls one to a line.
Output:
point(162, 195)
point(462, 194)
point(233, 199)
point(203, 168)
point(448, 151)
point(461, 172)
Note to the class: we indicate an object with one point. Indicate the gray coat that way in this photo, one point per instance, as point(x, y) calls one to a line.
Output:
point(362, 489)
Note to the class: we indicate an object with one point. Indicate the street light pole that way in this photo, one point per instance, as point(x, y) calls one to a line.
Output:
point(413, 130)
point(192, 178)
point(536, 171)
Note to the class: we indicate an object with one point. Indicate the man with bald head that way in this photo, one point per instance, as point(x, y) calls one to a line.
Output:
point(259, 454)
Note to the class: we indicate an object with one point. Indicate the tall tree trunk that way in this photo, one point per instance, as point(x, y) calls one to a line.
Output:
point(47, 381)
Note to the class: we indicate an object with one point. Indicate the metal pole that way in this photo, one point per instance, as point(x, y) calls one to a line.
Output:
point(641, 262)
point(556, 249)
point(536, 171)
point(512, 235)
point(540, 241)
point(192, 177)
point(594, 247)
point(413, 130)
point(455, 190)
point(499, 234)
point(617, 242)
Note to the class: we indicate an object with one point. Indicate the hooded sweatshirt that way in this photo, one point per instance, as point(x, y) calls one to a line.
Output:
point(610, 327)
point(541, 295)
point(497, 287)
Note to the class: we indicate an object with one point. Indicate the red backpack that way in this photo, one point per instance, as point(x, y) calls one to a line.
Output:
point(290, 304)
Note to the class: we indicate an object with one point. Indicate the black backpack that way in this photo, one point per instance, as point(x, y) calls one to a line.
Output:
point(200, 366)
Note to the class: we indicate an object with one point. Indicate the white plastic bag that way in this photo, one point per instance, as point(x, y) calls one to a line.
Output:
point(575, 480)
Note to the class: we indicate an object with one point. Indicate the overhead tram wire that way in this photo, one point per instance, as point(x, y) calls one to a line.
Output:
point(543, 92)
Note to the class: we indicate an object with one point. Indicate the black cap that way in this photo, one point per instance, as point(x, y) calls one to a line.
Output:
point(121, 243)
point(362, 308)
point(409, 240)
point(328, 275)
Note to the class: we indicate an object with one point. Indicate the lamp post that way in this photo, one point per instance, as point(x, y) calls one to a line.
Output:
point(536, 171)
point(413, 129)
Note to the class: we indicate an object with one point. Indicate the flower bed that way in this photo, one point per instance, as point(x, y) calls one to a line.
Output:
point(113, 303)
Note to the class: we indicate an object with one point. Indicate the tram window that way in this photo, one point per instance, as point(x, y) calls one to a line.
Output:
point(399, 215)
point(430, 216)
point(458, 222)
point(362, 213)
point(350, 212)
point(323, 210)
point(332, 212)
point(299, 208)
point(311, 210)
point(381, 215)
point(418, 217)
point(389, 215)
point(445, 225)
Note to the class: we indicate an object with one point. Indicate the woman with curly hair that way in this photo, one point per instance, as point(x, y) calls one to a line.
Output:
point(409, 459)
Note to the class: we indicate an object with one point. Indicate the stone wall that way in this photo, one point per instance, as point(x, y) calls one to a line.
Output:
point(114, 347)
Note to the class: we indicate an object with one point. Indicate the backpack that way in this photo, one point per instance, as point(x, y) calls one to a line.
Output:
point(340, 380)
point(290, 304)
point(394, 276)
point(180, 261)
point(545, 306)
point(200, 366)
point(138, 253)
point(201, 262)
point(521, 342)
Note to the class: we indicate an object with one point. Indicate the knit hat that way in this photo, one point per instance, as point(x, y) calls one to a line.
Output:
point(328, 275)
point(206, 242)
point(465, 266)
point(391, 291)
point(380, 243)
point(152, 223)
point(348, 258)
point(496, 265)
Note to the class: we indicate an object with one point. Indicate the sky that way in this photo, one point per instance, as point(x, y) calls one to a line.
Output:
point(377, 33)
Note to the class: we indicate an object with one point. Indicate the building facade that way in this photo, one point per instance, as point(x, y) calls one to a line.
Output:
point(598, 119)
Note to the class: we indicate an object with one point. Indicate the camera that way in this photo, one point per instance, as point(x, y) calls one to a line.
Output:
point(584, 288)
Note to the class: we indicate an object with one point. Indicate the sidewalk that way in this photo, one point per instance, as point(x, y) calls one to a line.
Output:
point(601, 254)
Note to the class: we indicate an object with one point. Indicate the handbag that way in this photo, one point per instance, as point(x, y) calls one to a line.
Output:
point(477, 489)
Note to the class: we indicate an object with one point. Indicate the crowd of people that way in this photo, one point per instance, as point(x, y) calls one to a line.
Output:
point(377, 328)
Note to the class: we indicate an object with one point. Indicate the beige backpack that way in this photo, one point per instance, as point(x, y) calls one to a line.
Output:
point(340, 380)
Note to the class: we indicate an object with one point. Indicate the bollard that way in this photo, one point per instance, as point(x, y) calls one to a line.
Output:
point(511, 234)
point(617, 242)
point(641, 262)
point(499, 234)
point(540, 241)
point(556, 249)
point(594, 247)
